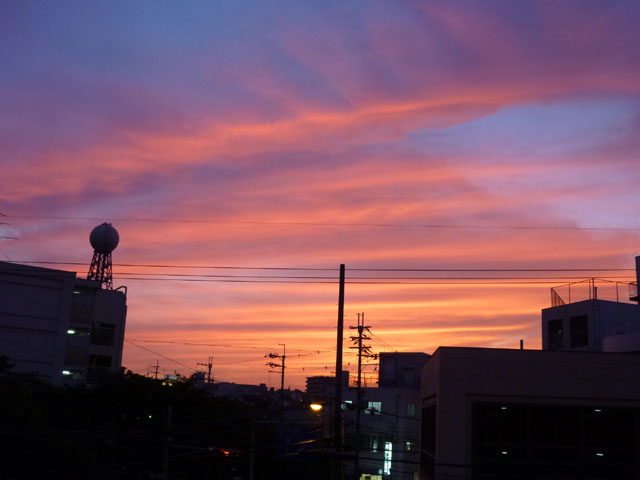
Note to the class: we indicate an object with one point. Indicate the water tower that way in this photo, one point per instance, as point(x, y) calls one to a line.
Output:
point(104, 240)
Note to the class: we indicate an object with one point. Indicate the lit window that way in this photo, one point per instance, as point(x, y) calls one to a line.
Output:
point(388, 446)
point(411, 409)
point(373, 408)
point(345, 404)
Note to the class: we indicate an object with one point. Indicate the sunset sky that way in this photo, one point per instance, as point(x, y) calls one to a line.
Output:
point(305, 134)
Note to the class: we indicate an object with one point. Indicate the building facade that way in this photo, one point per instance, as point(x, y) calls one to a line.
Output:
point(534, 414)
point(64, 329)
point(387, 443)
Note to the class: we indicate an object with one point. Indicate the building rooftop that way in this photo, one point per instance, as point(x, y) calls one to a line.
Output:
point(594, 289)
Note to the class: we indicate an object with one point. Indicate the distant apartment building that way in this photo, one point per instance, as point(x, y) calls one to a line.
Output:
point(65, 329)
point(322, 388)
point(389, 434)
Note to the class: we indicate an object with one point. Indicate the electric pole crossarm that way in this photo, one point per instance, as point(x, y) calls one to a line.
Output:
point(280, 366)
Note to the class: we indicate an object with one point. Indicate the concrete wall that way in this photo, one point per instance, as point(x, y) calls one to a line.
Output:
point(454, 378)
point(34, 308)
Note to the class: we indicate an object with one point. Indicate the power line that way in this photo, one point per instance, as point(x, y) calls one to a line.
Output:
point(252, 347)
point(161, 355)
point(327, 224)
point(382, 341)
point(288, 282)
point(521, 280)
point(148, 265)
point(360, 269)
point(315, 277)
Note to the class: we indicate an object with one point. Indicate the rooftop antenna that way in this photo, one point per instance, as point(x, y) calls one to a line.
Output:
point(104, 240)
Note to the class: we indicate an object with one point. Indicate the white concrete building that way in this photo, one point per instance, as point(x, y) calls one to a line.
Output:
point(66, 330)
point(595, 315)
point(594, 324)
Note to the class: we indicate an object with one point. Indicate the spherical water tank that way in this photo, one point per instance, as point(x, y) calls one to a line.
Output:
point(104, 238)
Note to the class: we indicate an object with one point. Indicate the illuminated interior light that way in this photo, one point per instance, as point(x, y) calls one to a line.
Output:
point(597, 410)
point(316, 407)
point(66, 372)
point(71, 331)
point(504, 453)
point(388, 449)
point(599, 454)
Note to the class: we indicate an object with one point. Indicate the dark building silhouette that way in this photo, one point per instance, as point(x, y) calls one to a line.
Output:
point(321, 388)
point(504, 414)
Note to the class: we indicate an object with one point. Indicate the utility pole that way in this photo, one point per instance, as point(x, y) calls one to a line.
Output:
point(166, 443)
point(156, 369)
point(337, 407)
point(363, 351)
point(209, 364)
point(280, 366)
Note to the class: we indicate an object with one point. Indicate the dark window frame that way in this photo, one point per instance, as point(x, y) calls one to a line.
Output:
point(555, 334)
point(579, 331)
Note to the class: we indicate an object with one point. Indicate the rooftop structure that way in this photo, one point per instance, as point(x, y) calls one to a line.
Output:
point(104, 239)
point(594, 315)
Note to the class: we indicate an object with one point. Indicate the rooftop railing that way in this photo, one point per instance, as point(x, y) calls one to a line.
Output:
point(594, 288)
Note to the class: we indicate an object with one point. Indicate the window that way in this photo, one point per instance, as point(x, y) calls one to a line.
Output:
point(428, 436)
point(429, 429)
point(81, 290)
point(410, 445)
point(555, 334)
point(516, 441)
point(103, 333)
point(103, 361)
point(375, 442)
point(579, 331)
point(411, 409)
point(373, 408)
point(99, 368)
point(388, 448)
